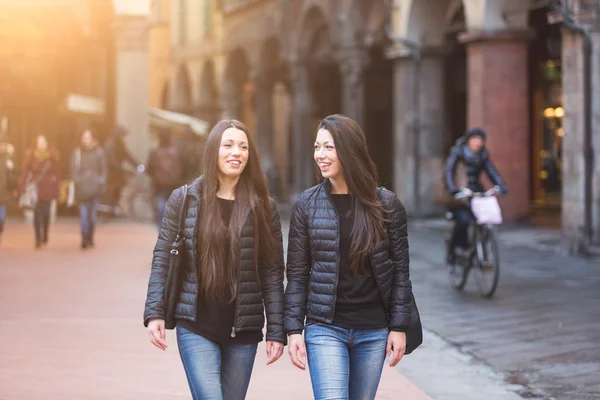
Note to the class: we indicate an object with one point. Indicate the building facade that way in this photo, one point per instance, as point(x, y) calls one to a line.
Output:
point(70, 65)
point(415, 74)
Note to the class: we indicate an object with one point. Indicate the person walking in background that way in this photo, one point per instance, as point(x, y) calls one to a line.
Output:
point(89, 172)
point(116, 152)
point(191, 150)
point(166, 171)
point(41, 174)
point(7, 177)
point(347, 270)
point(234, 273)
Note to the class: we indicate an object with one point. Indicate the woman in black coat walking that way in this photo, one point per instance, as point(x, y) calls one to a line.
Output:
point(347, 269)
point(233, 264)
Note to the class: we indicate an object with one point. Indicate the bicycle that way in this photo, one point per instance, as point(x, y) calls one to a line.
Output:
point(134, 203)
point(482, 255)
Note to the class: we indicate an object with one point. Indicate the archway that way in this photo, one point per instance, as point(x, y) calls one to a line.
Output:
point(456, 76)
point(546, 117)
point(238, 89)
point(183, 91)
point(323, 70)
point(379, 94)
point(208, 107)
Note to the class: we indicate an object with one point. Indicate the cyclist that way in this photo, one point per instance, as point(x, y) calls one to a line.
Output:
point(470, 150)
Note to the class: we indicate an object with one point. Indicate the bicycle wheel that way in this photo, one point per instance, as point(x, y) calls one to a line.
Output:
point(459, 273)
point(488, 261)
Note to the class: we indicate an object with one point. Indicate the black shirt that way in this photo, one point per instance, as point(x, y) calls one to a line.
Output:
point(358, 304)
point(214, 318)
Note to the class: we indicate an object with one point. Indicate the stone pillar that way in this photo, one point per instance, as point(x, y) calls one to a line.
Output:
point(419, 130)
point(352, 67)
point(302, 135)
point(575, 146)
point(498, 96)
point(263, 105)
point(131, 82)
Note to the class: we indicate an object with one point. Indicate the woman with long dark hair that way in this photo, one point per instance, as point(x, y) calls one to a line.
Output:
point(347, 270)
point(233, 264)
point(42, 171)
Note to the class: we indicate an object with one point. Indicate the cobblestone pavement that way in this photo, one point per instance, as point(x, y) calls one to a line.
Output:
point(542, 328)
point(71, 326)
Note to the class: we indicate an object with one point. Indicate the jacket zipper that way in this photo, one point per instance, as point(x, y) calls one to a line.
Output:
point(235, 311)
point(337, 259)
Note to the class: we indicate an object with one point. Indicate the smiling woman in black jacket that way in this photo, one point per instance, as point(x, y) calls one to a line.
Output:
point(347, 270)
point(233, 264)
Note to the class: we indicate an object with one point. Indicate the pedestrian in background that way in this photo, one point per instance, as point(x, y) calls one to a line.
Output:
point(165, 168)
point(233, 227)
point(347, 270)
point(89, 173)
point(117, 153)
point(7, 177)
point(41, 174)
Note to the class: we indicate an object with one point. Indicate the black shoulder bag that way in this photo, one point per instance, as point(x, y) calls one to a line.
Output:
point(414, 333)
point(176, 264)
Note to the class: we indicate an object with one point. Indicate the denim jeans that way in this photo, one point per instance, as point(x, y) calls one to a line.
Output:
point(160, 199)
point(345, 364)
point(215, 371)
point(41, 220)
point(2, 217)
point(460, 237)
point(87, 216)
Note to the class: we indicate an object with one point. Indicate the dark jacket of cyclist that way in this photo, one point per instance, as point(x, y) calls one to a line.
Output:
point(470, 150)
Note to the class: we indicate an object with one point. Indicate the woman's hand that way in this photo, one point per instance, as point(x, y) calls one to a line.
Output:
point(296, 347)
point(396, 343)
point(156, 331)
point(274, 351)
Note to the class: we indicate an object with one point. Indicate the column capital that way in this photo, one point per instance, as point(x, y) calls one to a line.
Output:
point(401, 51)
point(497, 36)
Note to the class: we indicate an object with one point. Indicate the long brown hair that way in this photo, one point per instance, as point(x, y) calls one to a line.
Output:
point(219, 243)
point(361, 176)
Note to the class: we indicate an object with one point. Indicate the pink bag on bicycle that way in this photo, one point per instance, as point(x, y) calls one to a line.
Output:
point(486, 210)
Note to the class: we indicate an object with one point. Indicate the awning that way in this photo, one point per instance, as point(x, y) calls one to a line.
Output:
point(170, 119)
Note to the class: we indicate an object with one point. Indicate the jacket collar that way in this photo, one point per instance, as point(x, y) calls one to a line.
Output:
point(195, 188)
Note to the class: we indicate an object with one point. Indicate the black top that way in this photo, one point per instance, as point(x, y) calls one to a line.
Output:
point(214, 318)
point(358, 304)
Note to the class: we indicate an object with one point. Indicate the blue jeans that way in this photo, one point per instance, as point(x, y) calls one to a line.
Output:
point(345, 364)
point(2, 217)
point(87, 216)
point(215, 371)
point(160, 199)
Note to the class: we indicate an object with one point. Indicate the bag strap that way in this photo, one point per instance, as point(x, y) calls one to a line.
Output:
point(182, 213)
point(45, 169)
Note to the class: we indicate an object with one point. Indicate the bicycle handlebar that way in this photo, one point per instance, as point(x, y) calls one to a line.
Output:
point(468, 193)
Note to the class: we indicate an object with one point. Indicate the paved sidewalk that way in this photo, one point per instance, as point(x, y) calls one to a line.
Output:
point(71, 325)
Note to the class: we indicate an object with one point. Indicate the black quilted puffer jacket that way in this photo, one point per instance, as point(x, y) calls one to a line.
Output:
point(313, 261)
point(251, 295)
